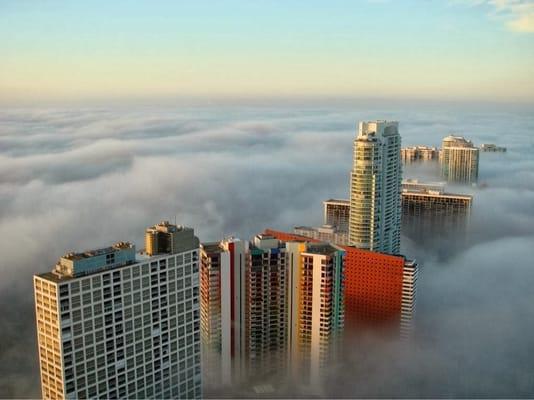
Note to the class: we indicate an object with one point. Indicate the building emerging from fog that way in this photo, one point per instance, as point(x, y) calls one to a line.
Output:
point(459, 160)
point(316, 311)
point(419, 153)
point(375, 204)
point(269, 305)
point(222, 304)
point(266, 306)
point(379, 289)
point(113, 323)
point(430, 215)
point(490, 147)
point(244, 308)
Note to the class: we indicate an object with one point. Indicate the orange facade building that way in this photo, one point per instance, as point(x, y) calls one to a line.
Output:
point(379, 288)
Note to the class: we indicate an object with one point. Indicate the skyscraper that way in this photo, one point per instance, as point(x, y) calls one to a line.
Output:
point(316, 311)
point(375, 188)
point(244, 308)
point(222, 302)
point(269, 305)
point(265, 333)
point(113, 323)
point(459, 160)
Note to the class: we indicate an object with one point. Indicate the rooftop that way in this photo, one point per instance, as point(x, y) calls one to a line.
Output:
point(97, 252)
point(337, 201)
point(212, 247)
point(321, 248)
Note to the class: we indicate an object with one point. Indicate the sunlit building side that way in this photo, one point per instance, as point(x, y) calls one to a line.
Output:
point(375, 187)
point(113, 323)
point(459, 160)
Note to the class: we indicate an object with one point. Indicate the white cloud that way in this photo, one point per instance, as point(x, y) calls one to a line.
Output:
point(518, 14)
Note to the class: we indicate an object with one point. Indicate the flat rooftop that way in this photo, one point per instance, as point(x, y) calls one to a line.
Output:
point(338, 201)
point(321, 248)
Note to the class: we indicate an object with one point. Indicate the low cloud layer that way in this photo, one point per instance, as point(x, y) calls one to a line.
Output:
point(73, 179)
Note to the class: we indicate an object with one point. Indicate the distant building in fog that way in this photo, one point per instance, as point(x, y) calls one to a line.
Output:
point(490, 147)
point(419, 153)
point(459, 160)
point(430, 215)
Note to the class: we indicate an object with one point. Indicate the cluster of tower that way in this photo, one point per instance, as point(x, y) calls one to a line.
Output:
point(117, 323)
point(458, 158)
point(270, 305)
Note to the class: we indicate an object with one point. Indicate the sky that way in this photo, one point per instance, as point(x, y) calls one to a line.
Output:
point(79, 51)
point(76, 178)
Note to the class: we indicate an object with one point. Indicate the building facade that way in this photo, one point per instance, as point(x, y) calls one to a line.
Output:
point(379, 289)
point(431, 217)
point(113, 323)
point(316, 309)
point(375, 187)
point(266, 307)
point(290, 315)
point(459, 160)
point(244, 308)
point(419, 153)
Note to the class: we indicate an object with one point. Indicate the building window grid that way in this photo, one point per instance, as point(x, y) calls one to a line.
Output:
point(191, 343)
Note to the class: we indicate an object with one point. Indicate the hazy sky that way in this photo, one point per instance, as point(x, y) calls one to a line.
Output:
point(453, 49)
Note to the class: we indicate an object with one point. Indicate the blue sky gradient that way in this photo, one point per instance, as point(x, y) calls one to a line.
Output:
point(402, 49)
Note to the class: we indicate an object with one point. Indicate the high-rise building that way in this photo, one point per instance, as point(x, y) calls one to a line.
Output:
point(379, 289)
point(265, 333)
point(267, 306)
point(336, 214)
point(166, 238)
point(113, 323)
point(222, 303)
point(316, 310)
point(430, 216)
point(459, 160)
point(244, 308)
point(375, 204)
point(419, 153)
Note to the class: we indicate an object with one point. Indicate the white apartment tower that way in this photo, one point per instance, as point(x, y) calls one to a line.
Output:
point(113, 323)
point(375, 188)
point(459, 160)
